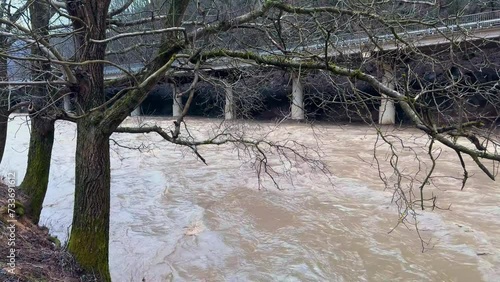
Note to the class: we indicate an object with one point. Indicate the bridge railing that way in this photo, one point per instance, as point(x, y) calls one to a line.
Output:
point(473, 21)
point(347, 40)
point(485, 17)
point(446, 26)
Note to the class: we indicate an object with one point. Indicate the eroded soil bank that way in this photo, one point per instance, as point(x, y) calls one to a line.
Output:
point(28, 252)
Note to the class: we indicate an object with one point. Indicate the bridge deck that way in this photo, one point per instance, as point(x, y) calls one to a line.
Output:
point(465, 28)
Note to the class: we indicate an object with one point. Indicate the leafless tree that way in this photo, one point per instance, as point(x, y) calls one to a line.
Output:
point(9, 13)
point(367, 53)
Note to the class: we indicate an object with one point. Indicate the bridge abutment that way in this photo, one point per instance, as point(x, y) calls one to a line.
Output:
point(297, 108)
point(67, 103)
point(387, 110)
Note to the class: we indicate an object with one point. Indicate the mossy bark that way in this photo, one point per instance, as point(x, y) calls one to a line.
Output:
point(89, 236)
point(90, 230)
point(4, 120)
point(36, 179)
point(4, 105)
point(89, 239)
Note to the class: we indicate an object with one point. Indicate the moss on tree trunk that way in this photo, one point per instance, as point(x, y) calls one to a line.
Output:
point(36, 179)
point(37, 174)
point(4, 119)
point(90, 230)
point(89, 239)
point(4, 103)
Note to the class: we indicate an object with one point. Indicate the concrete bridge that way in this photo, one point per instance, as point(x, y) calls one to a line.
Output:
point(467, 28)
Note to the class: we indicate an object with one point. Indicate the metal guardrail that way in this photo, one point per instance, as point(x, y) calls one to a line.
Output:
point(466, 22)
point(471, 22)
point(132, 67)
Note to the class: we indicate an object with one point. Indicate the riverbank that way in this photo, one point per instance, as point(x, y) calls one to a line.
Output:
point(28, 251)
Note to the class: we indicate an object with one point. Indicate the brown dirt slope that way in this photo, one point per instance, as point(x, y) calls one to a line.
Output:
point(27, 251)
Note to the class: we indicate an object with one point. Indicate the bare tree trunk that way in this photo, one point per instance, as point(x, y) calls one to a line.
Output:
point(36, 179)
point(90, 230)
point(4, 105)
point(4, 46)
point(37, 174)
point(89, 237)
point(4, 119)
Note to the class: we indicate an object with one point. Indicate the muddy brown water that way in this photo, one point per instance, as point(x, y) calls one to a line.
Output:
point(174, 218)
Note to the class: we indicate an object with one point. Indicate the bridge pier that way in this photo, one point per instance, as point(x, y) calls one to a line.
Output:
point(177, 106)
point(297, 108)
point(67, 103)
point(136, 112)
point(229, 113)
point(387, 110)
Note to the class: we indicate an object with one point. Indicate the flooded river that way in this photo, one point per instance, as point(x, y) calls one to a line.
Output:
point(174, 218)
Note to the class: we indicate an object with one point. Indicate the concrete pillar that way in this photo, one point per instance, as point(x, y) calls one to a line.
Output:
point(67, 103)
point(177, 106)
point(229, 106)
point(136, 112)
point(297, 98)
point(387, 110)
